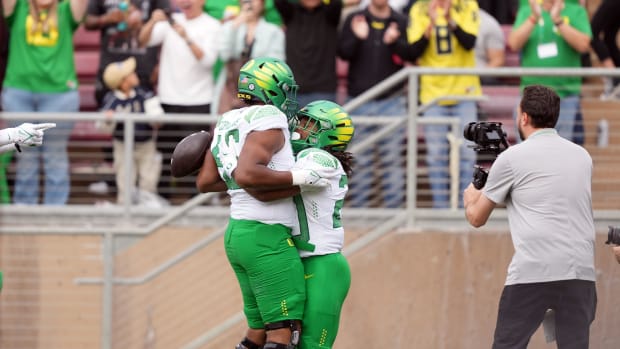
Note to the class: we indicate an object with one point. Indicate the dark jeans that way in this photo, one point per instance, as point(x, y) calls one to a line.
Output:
point(522, 308)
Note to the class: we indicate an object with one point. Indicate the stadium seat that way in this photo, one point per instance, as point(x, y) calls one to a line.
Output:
point(86, 65)
point(86, 39)
point(87, 97)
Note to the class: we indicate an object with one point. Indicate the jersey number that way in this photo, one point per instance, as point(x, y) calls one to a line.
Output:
point(302, 240)
point(234, 133)
point(442, 40)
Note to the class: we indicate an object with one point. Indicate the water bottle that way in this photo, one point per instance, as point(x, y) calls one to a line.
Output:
point(123, 6)
point(603, 133)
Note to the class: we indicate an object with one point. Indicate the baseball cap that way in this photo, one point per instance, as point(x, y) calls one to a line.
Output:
point(115, 72)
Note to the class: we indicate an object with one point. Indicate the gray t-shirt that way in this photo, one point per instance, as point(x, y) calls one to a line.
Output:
point(546, 183)
point(490, 36)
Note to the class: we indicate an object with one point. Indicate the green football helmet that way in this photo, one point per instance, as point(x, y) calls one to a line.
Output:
point(271, 81)
point(328, 126)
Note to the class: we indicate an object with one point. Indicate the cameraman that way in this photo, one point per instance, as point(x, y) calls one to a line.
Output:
point(550, 216)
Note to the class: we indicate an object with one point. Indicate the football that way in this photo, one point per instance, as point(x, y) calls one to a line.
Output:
point(189, 154)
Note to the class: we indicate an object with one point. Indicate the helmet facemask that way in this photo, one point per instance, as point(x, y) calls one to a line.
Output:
point(323, 125)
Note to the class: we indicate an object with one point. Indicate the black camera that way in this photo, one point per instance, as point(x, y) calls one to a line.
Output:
point(613, 236)
point(491, 139)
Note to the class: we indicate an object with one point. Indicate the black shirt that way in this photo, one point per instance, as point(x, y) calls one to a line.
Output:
point(311, 44)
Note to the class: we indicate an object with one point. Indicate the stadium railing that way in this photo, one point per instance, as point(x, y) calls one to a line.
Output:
point(132, 220)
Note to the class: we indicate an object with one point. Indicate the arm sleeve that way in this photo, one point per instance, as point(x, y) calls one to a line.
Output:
point(226, 43)
point(417, 48)
point(467, 24)
point(500, 180)
point(600, 20)
point(401, 47)
point(158, 33)
point(468, 41)
point(418, 22)
point(496, 39)
point(582, 21)
point(277, 43)
point(347, 46)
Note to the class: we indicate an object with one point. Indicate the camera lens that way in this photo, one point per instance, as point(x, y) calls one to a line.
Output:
point(469, 132)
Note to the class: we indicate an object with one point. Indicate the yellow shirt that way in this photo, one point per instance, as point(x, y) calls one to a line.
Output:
point(444, 50)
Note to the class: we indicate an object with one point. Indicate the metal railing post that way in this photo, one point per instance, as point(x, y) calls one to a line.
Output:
point(128, 144)
point(108, 289)
point(411, 184)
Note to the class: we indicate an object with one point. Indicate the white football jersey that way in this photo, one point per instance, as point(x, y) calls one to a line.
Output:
point(319, 230)
point(228, 139)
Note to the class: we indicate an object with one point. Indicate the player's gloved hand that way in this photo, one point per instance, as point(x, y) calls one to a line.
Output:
point(29, 134)
point(307, 177)
point(320, 185)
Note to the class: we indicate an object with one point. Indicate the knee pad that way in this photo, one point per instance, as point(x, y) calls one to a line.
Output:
point(293, 325)
point(247, 344)
point(271, 345)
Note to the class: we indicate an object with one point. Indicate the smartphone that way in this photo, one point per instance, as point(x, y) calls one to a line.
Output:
point(168, 13)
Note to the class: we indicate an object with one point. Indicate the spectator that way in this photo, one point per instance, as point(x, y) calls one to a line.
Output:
point(185, 85)
point(549, 204)
point(42, 31)
point(605, 23)
point(119, 27)
point(504, 11)
point(125, 96)
point(552, 35)
point(490, 46)
point(373, 41)
point(246, 36)
point(442, 34)
point(225, 10)
point(311, 46)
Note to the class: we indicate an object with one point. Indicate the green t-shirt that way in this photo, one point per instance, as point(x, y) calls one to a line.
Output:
point(222, 9)
point(546, 48)
point(38, 61)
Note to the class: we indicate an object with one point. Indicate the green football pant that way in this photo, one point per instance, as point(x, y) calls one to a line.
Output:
point(328, 279)
point(268, 269)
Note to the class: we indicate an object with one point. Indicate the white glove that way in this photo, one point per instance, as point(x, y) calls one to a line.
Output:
point(306, 177)
point(320, 185)
point(28, 134)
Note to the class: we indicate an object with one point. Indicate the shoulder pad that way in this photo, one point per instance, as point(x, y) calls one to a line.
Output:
point(263, 111)
point(319, 157)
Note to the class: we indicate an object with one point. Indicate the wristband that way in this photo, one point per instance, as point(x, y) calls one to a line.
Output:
point(298, 177)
